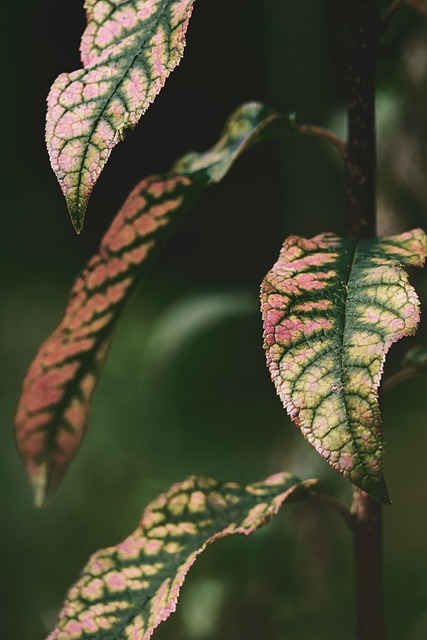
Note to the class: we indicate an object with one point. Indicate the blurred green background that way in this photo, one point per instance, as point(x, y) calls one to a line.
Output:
point(185, 389)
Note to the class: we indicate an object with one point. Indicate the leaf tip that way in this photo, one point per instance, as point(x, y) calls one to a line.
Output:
point(378, 491)
point(77, 215)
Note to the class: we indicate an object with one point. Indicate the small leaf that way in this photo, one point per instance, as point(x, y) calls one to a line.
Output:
point(331, 310)
point(52, 411)
point(128, 50)
point(126, 591)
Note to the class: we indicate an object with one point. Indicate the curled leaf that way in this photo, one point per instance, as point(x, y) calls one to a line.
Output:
point(332, 308)
point(52, 411)
point(126, 591)
point(128, 50)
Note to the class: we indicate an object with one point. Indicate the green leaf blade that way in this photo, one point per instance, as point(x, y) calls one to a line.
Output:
point(331, 309)
point(128, 51)
point(127, 590)
point(57, 390)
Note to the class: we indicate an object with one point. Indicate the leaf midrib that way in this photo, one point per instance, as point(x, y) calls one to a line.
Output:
point(345, 333)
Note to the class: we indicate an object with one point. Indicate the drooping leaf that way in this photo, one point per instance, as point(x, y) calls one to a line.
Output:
point(128, 50)
point(332, 308)
point(126, 591)
point(58, 387)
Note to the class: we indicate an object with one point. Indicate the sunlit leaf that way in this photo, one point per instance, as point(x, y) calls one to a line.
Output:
point(58, 387)
point(128, 50)
point(331, 309)
point(127, 590)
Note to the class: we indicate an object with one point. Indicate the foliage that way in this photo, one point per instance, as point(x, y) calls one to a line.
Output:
point(52, 412)
point(129, 589)
point(128, 50)
point(332, 306)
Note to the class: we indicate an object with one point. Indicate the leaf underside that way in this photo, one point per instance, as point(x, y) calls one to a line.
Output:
point(332, 308)
point(127, 50)
point(126, 591)
point(57, 390)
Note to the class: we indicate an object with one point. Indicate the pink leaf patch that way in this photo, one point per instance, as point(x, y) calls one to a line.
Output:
point(331, 309)
point(126, 591)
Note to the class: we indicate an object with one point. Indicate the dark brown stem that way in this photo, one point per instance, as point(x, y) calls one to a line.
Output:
point(365, 25)
point(368, 558)
point(364, 33)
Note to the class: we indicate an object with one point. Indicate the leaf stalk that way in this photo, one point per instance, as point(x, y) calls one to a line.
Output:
point(324, 134)
point(335, 505)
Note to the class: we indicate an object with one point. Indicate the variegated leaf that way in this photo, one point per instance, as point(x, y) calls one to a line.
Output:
point(127, 590)
point(128, 50)
point(57, 389)
point(331, 310)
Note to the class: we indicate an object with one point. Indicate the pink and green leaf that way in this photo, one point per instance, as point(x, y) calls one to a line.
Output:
point(57, 390)
point(127, 590)
point(128, 50)
point(332, 308)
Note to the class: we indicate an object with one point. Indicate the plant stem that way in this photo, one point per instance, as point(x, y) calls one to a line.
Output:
point(365, 25)
point(364, 32)
point(368, 559)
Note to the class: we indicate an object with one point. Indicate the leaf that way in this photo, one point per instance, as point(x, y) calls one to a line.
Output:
point(126, 591)
point(128, 50)
point(331, 310)
point(57, 390)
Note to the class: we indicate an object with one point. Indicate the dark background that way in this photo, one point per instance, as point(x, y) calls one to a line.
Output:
point(185, 389)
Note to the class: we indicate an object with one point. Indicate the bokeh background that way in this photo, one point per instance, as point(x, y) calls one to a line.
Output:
point(185, 389)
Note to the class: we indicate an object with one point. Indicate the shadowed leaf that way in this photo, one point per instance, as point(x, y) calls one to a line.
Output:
point(127, 590)
point(332, 308)
point(128, 50)
point(52, 411)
